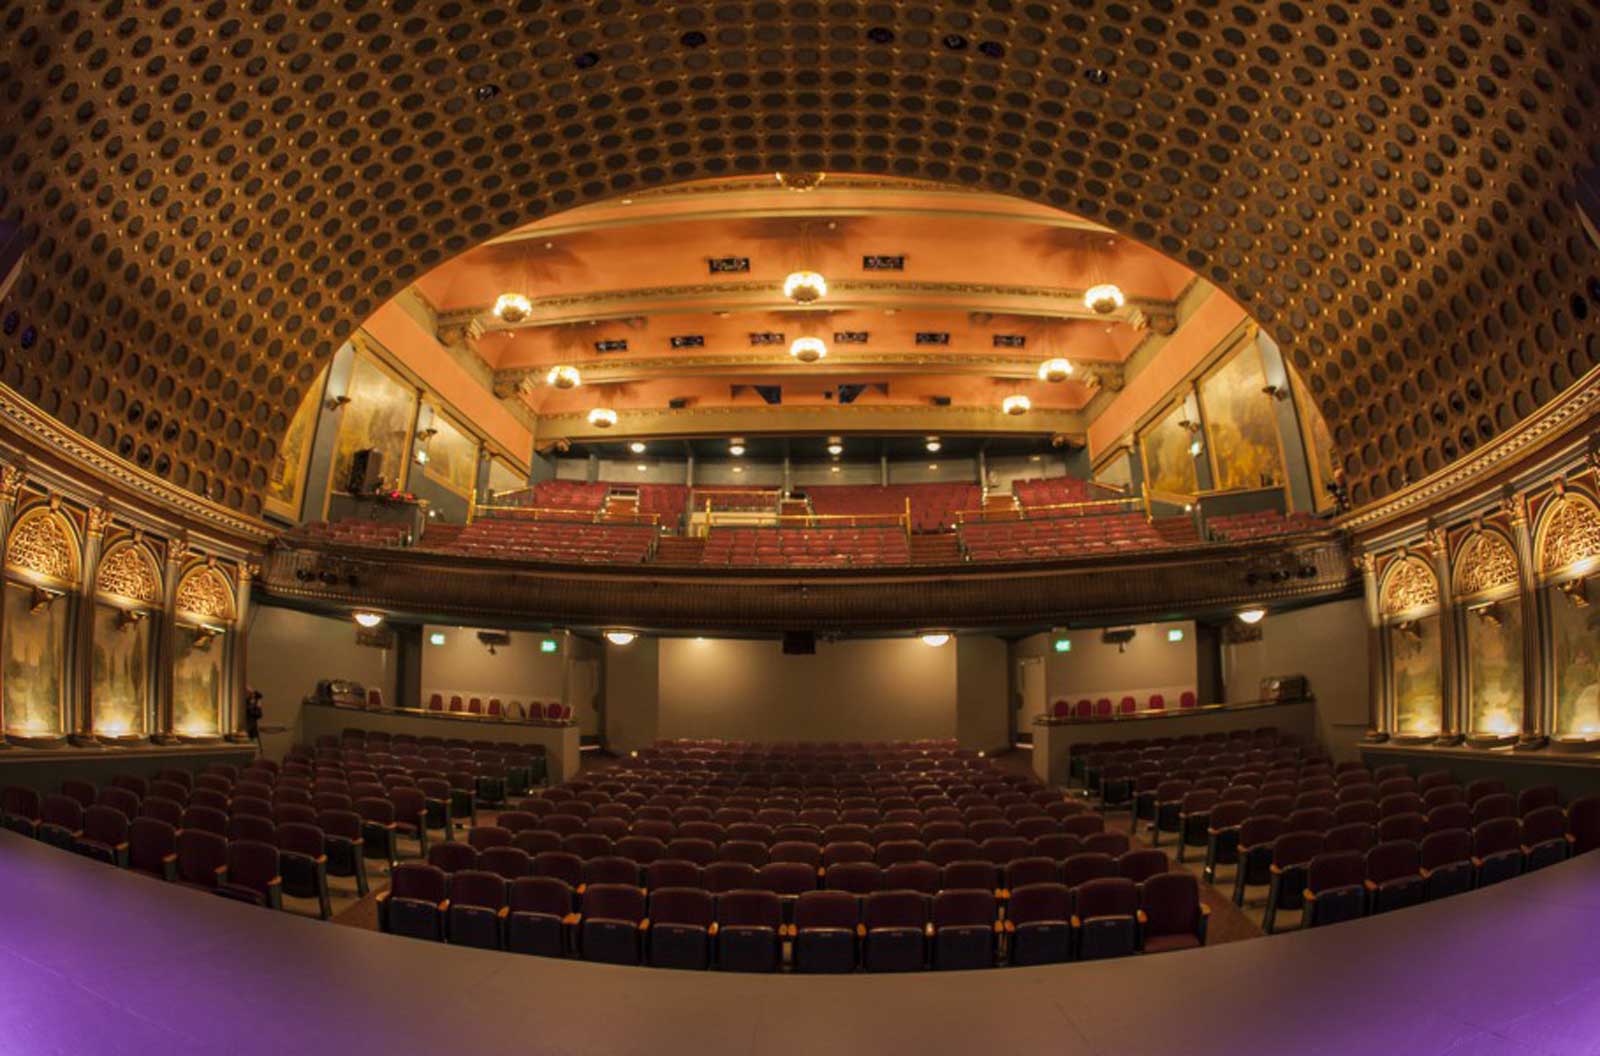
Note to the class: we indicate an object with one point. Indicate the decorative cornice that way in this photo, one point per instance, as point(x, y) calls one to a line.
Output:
point(1551, 423)
point(106, 469)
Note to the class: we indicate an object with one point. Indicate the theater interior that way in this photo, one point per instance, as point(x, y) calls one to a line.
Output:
point(633, 527)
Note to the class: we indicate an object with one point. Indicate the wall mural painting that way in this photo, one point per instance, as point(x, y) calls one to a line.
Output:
point(1415, 676)
point(35, 653)
point(1242, 430)
point(1575, 655)
point(1318, 441)
point(380, 414)
point(121, 672)
point(452, 456)
point(1494, 669)
point(286, 477)
point(197, 685)
point(1168, 465)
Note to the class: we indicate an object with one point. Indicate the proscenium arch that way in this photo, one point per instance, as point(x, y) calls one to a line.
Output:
point(1388, 190)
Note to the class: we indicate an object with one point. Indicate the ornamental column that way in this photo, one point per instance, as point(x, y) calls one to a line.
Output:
point(167, 642)
point(1534, 734)
point(1438, 543)
point(1376, 713)
point(11, 478)
point(95, 523)
point(239, 683)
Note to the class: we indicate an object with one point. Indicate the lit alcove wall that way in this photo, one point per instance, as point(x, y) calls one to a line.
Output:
point(197, 686)
point(35, 650)
point(1151, 662)
point(1494, 669)
point(1415, 676)
point(1575, 661)
point(290, 651)
point(121, 671)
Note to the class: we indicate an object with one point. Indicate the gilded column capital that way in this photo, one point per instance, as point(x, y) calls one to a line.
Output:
point(177, 552)
point(11, 478)
point(97, 521)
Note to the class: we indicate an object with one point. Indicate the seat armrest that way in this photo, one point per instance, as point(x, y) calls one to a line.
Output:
point(1141, 918)
point(571, 920)
point(1369, 885)
point(644, 925)
point(711, 932)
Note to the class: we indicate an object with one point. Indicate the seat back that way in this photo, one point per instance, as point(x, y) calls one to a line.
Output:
point(1393, 860)
point(1171, 903)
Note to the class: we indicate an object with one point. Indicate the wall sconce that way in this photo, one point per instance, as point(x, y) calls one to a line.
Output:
point(1489, 614)
point(1277, 392)
point(204, 635)
point(336, 403)
point(130, 618)
point(424, 435)
point(43, 598)
point(1409, 630)
point(1576, 591)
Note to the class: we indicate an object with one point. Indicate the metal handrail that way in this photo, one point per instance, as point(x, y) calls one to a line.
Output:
point(1026, 512)
point(884, 519)
point(595, 516)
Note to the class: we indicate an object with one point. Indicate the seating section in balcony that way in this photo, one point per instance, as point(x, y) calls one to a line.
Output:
point(736, 497)
point(807, 547)
point(1261, 524)
point(556, 541)
point(352, 531)
point(1074, 536)
point(1054, 491)
point(560, 495)
point(665, 501)
point(933, 506)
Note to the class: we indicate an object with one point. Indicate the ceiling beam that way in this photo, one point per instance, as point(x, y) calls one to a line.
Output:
point(666, 423)
point(1048, 302)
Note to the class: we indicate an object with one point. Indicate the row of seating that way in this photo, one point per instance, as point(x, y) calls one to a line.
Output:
point(1051, 491)
point(808, 547)
point(554, 540)
point(353, 531)
point(494, 708)
point(933, 505)
point(820, 931)
point(1073, 536)
point(1261, 524)
point(1084, 708)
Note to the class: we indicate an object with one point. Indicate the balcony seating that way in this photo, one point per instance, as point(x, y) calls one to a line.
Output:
point(1262, 524)
point(933, 506)
point(807, 547)
point(666, 501)
point(1051, 491)
point(1074, 536)
point(556, 541)
point(353, 531)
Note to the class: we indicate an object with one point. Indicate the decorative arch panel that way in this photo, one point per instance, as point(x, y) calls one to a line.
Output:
point(129, 572)
point(43, 545)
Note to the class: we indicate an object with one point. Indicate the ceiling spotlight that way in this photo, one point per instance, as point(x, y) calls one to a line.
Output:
point(620, 637)
point(836, 449)
point(933, 445)
point(1014, 405)
point(808, 349)
point(805, 287)
point(1104, 298)
point(602, 417)
point(1054, 370)
point(512, 307)
point(368, 619)
point(800, 181)
point(637, 447)
point(1252, 615)
point(935, 638)
point(563, 377)
point(736, 449)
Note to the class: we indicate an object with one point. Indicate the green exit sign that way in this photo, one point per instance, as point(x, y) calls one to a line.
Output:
point(548, 645)
point(1063, 645)
point(1175, 635)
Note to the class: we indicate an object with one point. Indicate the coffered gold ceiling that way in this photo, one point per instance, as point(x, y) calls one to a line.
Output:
point(219, 191)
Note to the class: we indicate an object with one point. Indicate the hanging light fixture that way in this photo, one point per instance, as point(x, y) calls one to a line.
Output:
point(563, 377)
point(1016, 404)
point(1054, 370)
point(602, 417)
point(512, 307)
point(805, 287)
point(808, 349)
point(1103, 298)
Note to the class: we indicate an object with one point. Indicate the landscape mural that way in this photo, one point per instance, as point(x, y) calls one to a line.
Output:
point(380, 414)
point(35, 649)
point(197, 686)
point(452, 456)
point(1575, 655)
point(121, 673)
point(1168, 465)
point(1241, 427)
point(1414, 679)
point(1494, 670)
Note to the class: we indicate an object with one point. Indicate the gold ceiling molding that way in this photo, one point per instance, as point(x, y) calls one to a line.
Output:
point(43, 543)
point(1486, 562)
point(1336, 173)
point(871, 418)
point(204, 594)
point(608, 371)
point(1054, 302)
point(1569, 533)
point(1409, 584)
point(129, 571)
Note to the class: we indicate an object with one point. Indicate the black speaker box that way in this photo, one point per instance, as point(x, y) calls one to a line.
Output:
point(365, 465)
point(799, 643)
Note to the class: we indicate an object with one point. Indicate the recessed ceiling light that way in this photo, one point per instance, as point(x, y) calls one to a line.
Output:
point(368, 619)
point(620, 637)
point(736, 450)
point(933, 444)
point(1252, 615)
point(935, 638)
point(637, 447)
point(835, 449)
